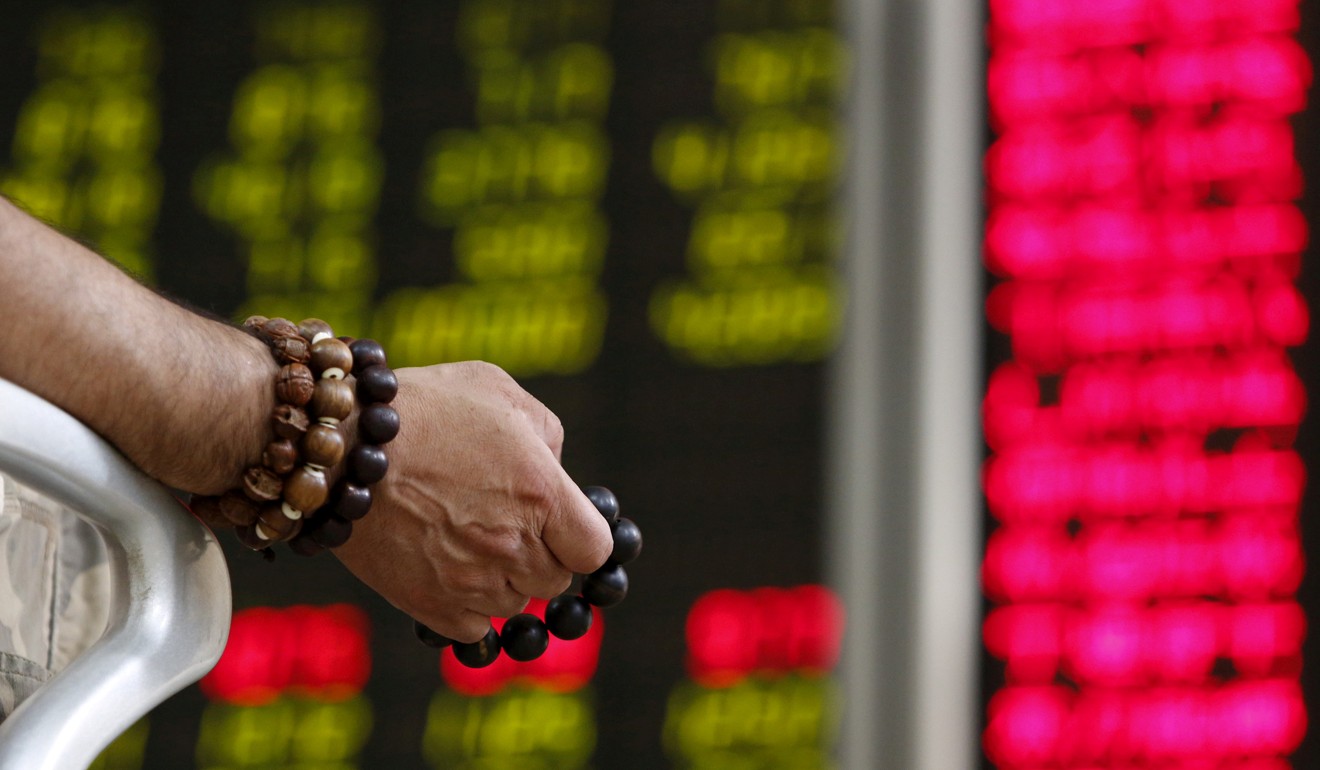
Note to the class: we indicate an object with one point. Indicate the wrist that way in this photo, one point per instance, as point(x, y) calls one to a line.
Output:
point(312, 482)
point(186, 398)
point(201, 441)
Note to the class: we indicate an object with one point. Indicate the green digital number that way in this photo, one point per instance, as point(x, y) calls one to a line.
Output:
point(85, 138)
point(305, 731)
point(516, 728)
point(764, 317)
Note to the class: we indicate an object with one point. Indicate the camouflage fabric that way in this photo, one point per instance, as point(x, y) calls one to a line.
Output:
point(54, 590)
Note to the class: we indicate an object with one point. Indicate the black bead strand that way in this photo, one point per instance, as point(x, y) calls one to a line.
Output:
point(378, 424)
point(377, 384)
point(304, 545)
point(332, 532)
point(366, 353)
point(350, 501)
point(568, 617)
point(606, 586)
point(430, 638)
point(367, 463)
point(480, 653)
point(524, 637)
point(627, 541)
point(605, 502)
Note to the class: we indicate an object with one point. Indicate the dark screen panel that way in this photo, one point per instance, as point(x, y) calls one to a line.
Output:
point(627, 206)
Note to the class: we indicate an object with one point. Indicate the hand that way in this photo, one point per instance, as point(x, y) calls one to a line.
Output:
point(476, 514)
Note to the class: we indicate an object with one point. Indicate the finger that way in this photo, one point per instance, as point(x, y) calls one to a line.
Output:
point(503, 602)
point(542, 576)
point(548, 428)
point(460, 625)
point(575, 532)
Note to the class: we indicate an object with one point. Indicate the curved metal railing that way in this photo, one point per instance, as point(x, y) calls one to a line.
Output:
point(171, 603)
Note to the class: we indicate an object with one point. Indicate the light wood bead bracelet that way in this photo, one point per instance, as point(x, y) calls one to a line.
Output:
point(284, 498)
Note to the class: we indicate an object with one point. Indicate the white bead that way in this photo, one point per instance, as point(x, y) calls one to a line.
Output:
point(321, 336)
point(289, 511)
point(261, 533)
point(333, 373)
point(331, 421)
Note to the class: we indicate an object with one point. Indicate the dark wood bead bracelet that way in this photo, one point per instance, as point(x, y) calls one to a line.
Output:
point(524, 636)
point(287, 498)
point(366, 463)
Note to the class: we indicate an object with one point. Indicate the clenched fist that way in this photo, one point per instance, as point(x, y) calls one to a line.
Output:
point(476, 515)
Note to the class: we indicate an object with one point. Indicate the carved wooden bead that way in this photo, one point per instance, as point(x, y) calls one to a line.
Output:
point(367, 463)
point(310, 327)
point(290, 350)
point(379, 424)
point(332, 399)
point(331, 356)
point(323, 446)
point(248, 537)
point(268, 329)
point(377, 384)
point(262, 484)
point(290, 422)
point(277, 328)
point(237, 509)
point(280, 456)
point(295, 384)
point(272, 524)
point(306, 490)
point(367, 353)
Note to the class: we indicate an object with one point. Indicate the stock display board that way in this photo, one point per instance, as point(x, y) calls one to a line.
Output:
point(1146, 483)
point(626, 206)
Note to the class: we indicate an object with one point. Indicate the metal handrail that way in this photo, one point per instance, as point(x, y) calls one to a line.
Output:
point(171, 598)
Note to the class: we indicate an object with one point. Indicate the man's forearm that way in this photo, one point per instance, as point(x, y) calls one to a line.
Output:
point(186, 398)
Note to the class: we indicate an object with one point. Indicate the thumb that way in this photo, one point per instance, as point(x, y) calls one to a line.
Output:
point(576, 533)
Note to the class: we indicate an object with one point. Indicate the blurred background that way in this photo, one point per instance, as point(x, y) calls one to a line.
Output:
point(953, 357)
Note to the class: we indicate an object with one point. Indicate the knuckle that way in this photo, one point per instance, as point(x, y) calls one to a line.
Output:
point(540, 487)
point(554, 429)
point(503, 548)
point(486, 371)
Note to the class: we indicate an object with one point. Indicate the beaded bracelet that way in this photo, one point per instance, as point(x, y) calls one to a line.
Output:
point(367, 463)
point(524, 636)
point(284, 499)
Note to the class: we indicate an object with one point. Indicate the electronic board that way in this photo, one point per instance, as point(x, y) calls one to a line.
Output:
point(627, 206)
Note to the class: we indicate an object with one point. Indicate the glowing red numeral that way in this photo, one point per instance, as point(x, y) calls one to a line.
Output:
point(321, 650)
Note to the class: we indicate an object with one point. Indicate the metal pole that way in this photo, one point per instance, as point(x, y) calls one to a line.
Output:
point(904, 433)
